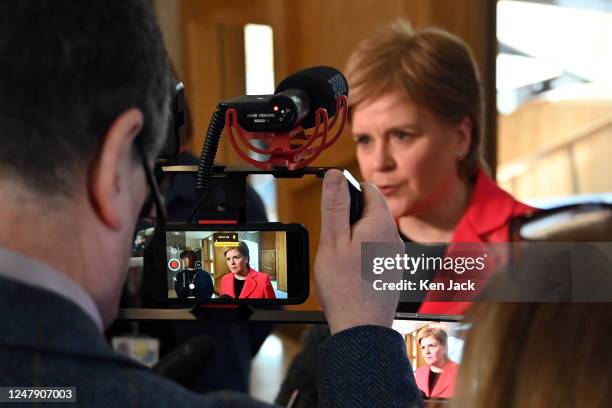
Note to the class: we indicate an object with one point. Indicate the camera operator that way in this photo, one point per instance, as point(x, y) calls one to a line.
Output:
point(84, 105)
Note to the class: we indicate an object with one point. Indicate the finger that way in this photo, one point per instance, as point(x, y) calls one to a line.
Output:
point(377, 217)
point(375, 205)
point(335, 208)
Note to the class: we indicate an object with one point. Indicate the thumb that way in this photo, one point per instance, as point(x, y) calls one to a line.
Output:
point(375, 205)
point(335, 208)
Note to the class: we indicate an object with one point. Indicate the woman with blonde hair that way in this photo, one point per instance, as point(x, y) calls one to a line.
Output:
point(242, 281)
point(416, 119)
point(437, 378)
point(415, 107)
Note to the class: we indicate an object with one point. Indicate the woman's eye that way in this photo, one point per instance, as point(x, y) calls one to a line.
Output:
point(361, 139)
point(402, 136)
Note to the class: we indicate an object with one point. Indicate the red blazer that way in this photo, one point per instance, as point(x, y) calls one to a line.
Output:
point(486, 219)
point(444, 388)
point(256, 286)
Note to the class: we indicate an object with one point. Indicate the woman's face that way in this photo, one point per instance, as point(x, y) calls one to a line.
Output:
point(433, 352)
point(407, 152)
point(236, 262)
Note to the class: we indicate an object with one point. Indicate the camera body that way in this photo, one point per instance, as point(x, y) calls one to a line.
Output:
point(270, 113)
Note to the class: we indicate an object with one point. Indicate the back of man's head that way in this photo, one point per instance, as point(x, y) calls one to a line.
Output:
point(68, 68)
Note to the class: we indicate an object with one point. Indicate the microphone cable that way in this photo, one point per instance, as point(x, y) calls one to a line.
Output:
point(206, 166)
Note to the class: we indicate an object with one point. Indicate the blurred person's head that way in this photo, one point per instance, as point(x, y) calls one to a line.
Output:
point(80, 83)
point(536, 355)
point(433, 342)
point(189, 258)
point(416, 114)
point(69, 69)
point(237, 258)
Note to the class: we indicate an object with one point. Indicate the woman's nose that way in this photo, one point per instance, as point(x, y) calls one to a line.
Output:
point(382, 159)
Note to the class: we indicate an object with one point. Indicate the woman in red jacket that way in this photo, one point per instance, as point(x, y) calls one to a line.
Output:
point(416, 119)
point(416, 116)
point(437, 378)
point(244, 282)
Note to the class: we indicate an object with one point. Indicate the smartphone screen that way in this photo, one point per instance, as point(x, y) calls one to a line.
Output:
point(434, 350)
point(226, 264)
point(260, 263)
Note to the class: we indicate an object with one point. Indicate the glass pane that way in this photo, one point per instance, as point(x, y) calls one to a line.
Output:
point(554, 97)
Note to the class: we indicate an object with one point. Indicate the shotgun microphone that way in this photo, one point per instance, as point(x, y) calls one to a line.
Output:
point(319, 86)
point(294, 102)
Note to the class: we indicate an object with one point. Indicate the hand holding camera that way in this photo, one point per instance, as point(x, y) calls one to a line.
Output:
point(339, 285)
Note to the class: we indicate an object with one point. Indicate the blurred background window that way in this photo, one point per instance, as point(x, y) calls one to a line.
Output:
point(554, 97)
point(259, 74)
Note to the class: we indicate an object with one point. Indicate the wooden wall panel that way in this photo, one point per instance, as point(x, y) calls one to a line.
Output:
point(542, 123)
point(170, 21)
point(214, 58)
point(556, 148)
point(281, 261)
point(550, 177)
point(592, 158)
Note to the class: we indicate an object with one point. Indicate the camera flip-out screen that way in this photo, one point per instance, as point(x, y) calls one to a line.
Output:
point(232, 264)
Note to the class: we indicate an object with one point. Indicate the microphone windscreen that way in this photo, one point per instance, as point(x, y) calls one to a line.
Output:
point(322, 84)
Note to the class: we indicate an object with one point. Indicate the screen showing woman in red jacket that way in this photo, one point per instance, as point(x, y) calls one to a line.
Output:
point(417, 123)
point(437, 378)
point(242, 281)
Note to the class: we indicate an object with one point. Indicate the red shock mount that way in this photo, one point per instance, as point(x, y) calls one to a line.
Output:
point(291, 150)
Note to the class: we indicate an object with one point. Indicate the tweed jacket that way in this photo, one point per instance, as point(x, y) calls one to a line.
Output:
point(47, 340)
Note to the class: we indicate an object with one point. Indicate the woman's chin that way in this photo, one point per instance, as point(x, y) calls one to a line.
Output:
point(399, 211)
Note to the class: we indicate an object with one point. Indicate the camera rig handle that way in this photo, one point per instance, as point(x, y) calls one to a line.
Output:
point(249, 313)
point(224, 202)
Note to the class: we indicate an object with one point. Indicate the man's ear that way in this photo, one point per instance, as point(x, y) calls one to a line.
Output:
point(463, 138)
point(109, 172)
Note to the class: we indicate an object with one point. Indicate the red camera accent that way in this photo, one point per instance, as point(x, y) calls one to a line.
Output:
point(174, 264)
point(217, 222)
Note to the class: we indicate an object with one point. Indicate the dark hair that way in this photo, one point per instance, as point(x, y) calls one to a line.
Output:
point(191, 255)
point(67, 70)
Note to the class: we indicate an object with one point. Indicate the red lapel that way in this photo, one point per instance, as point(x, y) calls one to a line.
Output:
point(446, 379)
point(489, 211)
point(250, 284)
point(485, 220)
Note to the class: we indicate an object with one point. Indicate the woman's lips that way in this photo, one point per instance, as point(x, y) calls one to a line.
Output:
point(387, 190)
